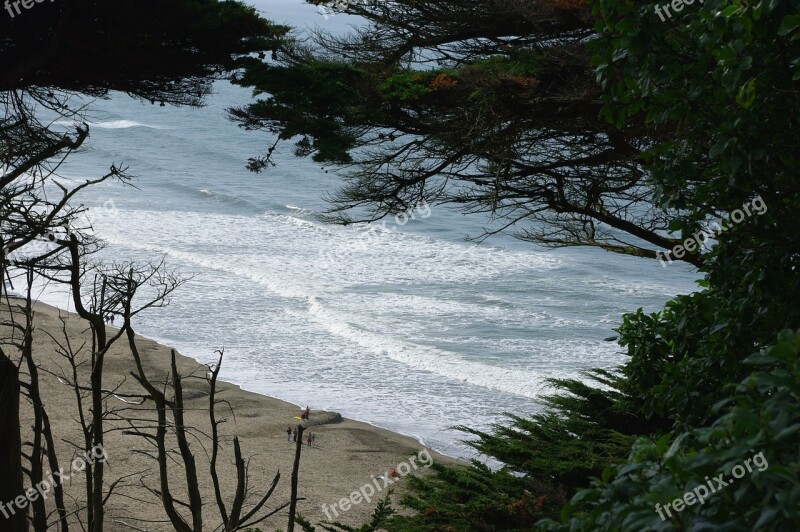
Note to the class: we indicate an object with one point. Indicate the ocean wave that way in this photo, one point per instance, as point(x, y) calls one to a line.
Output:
point(121, 124)
point(301, 210)
point(108, 124)
point(440, 362)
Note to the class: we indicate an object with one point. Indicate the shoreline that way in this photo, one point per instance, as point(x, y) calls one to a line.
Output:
point(167, 344)
point(416, 439)
point(347, 455)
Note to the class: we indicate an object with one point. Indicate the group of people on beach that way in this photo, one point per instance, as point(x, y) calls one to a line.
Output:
point(291, 436)
point(291, 433)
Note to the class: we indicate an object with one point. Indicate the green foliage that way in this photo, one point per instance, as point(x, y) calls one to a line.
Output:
point(325, 105)
point(380, 516)
point(404, 86)
point(159, 50)
point(719, 77)
point(764, 421)
point(724, 78)
point(678, 362)
point(475, 498)
point(581, 430)
point(707, 79)
point(318, 100)
point(478, 78)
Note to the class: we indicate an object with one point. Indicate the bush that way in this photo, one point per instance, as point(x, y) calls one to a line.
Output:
point(761, 419)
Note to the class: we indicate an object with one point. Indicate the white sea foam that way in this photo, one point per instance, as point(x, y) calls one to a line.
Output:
point(438, 361)
point(106, 124)
point(373, 322)
point(121, 124)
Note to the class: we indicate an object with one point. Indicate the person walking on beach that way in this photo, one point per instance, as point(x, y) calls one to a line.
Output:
point(309, 440)
point(289, 434)
point(313, 439)
point(294, 435)
point(308, 412)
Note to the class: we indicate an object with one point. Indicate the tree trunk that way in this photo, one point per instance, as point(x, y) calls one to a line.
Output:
point(10, 450)
point(295, 478)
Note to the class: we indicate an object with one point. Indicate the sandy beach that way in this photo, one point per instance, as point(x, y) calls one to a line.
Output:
point(345, 456)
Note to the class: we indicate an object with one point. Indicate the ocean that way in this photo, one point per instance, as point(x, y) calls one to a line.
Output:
point(404, 325)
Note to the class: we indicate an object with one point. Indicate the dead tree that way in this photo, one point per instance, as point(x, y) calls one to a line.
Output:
point(235, 518)
point(295, 477)
point(41, 429)
point(10, 442)
point(30, 155)
point(33, 229)
point(116, 290)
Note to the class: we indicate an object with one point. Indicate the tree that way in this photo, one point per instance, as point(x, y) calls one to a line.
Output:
point(29, 217)
point(51, 52)
point(726, 77)
point(697, 117)
point(751, 448)
point(145, 411)
point(162, 51)
point(488, 105)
